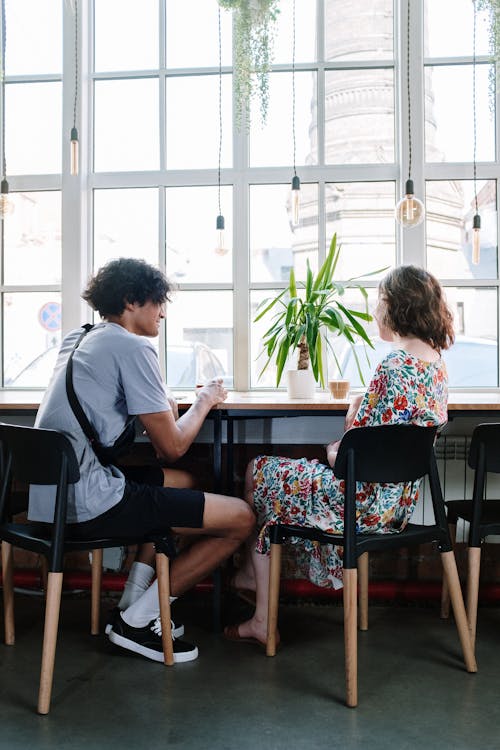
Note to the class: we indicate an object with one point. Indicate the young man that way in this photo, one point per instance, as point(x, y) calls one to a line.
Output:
point(115, 375)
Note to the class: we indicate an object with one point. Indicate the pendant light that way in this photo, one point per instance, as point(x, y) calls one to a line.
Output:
point(74, 156)
point(410, 211)
point(6, 205)
point(295, 179)
point(220, 247)
point(476, 221)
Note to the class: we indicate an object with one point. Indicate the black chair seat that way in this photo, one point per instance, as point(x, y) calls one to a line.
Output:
point(490, 513)
point(365, 542)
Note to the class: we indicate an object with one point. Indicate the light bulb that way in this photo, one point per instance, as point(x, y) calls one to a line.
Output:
point(409, 211)
point(295, 200)
point(220, 247)
point(74, 152)
point(6, 204)
point(476, 239)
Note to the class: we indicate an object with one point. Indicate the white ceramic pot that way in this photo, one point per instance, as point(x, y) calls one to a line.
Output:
point(301, 384)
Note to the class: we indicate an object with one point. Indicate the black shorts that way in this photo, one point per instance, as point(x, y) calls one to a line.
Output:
point(146, 508)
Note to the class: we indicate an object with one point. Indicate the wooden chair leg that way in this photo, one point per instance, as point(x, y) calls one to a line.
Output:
point(363, 561)
point(52, 607)
point(163, 576)
point(8, 594)
point(95, 594)
point(457, 602)
point(445, 593)
point(274, 593)
point(474, 565)
point(351, 635)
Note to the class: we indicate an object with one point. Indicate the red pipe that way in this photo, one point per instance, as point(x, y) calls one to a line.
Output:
point(406, 591)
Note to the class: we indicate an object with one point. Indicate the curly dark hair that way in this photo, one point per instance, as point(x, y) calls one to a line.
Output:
point(415, 306)
point(126, 280)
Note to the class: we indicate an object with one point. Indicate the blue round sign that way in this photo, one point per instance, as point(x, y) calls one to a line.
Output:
point(49, 316)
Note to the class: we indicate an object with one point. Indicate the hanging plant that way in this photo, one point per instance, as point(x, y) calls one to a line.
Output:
point(492, 7)
point(254, 28)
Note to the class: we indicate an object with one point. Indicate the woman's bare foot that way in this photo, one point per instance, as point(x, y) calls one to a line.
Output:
point(252, 629)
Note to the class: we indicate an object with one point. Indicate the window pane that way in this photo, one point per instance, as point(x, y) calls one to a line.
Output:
point(362, 215)
point(305, 32)
point(125, 225)
point(126, 125)
point(199, 338)
point(438, 16)
point(359, 112)
point(473, 359)
point(122, 40)
point(358, 30)
point(449, 119)
point(191, 214)
point(34, 43)
point(32, 239)
point(276, 246)
point(450, 209)
point(351, 360)
point(193, 122)
point(200, 47)
point(32, 334)
point(257, 358)
point(272, 145)
point(33, 125)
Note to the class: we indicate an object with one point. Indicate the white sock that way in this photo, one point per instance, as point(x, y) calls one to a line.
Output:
point(138, 581)
point(145, 608)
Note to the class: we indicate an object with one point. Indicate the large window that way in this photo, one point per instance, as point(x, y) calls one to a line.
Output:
point(148, 114)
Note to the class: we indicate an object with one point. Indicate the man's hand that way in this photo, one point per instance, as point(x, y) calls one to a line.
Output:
point(214, 392)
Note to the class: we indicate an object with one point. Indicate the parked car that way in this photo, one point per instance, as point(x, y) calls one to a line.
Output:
point(187, 365)
point(471, 362)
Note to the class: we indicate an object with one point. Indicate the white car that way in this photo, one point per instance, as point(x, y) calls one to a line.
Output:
point(471, 362)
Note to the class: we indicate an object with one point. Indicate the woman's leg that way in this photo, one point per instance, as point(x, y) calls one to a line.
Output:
point(253, 574)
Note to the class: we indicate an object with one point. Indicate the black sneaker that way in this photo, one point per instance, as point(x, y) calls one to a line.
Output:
point(147, 641)
point(177, 630)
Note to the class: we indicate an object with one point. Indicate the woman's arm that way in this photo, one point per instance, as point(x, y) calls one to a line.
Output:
point(332, 448)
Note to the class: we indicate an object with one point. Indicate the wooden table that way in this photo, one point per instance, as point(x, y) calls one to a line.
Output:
point(264, 404)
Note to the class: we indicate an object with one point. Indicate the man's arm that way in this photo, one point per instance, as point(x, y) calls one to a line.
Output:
point(171, 438)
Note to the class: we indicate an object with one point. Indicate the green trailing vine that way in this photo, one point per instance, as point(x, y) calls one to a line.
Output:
point(492, 7)
point(254, 29)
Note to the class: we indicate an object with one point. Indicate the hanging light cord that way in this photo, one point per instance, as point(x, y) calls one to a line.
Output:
point(220, 114)
point(4, 40)
point(474, 105)
point(76, 64)
point(293, 87)
point(408, 88)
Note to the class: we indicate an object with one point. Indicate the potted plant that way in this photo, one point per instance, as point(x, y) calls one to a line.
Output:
point(302, 320)
point(254, 26)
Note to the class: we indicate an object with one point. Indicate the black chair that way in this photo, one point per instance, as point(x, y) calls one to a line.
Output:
point(393, 453)
point(34, 456)
point(483, 515)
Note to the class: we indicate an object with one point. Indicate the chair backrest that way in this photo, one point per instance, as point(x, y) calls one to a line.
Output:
point(37, 454)
point(389, 453)
point(488, 436)
point(31, 455)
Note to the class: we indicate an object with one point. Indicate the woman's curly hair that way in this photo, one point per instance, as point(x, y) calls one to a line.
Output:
point(126, 280)
point(415, 306)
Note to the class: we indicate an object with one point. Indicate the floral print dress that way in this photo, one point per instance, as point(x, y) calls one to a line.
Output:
point(297, 491)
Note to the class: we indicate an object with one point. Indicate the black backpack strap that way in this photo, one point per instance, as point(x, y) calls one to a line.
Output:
point(70, 391)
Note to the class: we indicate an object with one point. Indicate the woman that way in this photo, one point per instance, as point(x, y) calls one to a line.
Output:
point(409, 385)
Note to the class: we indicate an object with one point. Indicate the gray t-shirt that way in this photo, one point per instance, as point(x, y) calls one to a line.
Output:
point(115, 375)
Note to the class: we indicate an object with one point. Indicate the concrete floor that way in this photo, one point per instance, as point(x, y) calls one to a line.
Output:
point(413, 689)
